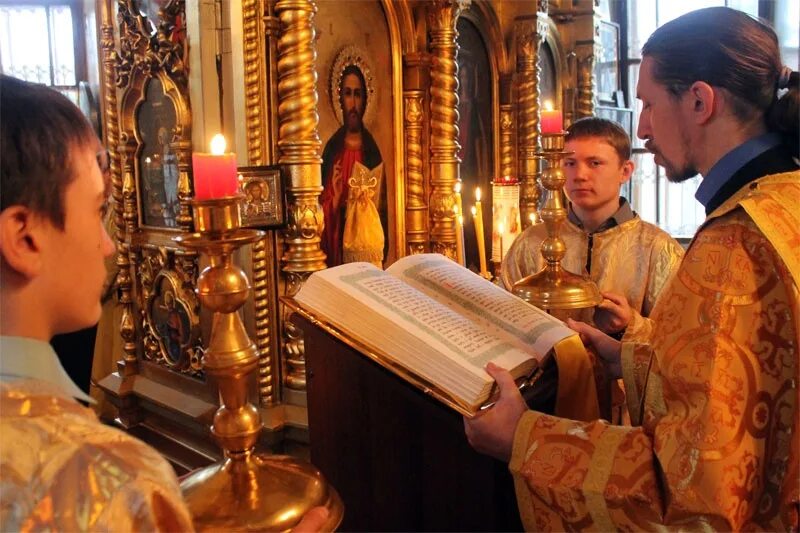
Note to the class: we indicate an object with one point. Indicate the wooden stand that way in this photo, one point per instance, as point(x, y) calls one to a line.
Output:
point(399, 458)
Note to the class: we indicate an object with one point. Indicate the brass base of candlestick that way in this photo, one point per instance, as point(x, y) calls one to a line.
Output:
point(553, 287)
point(258, 493)
point(558, 289)
point(246, 491)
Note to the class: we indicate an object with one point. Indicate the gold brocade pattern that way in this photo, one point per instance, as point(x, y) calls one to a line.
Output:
point(634, 259)
point(68, 472)
point(718, 447)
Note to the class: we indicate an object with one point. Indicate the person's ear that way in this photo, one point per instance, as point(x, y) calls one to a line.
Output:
point(702, 99)
point(20, 240)
point(628, 167)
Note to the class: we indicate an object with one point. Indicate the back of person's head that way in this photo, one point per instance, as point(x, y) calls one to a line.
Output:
point(604, 130)
point(731, 50)
point(40, 129)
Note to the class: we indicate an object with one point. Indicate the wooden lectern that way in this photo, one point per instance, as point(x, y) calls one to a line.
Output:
point(398, 457)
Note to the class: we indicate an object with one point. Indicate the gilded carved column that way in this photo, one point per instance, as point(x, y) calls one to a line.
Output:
point(255, 109)
point(585, 103)
point(124, 200)
point(299, 151)
point(416, 207)
point(259, 32)
point(507, 161)
point(507, 169)
point(129, 364)
point(442, 17)
point(528, 39)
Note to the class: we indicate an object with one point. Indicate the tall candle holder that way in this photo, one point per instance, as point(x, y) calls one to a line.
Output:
point(246, 491)
point(553, 287)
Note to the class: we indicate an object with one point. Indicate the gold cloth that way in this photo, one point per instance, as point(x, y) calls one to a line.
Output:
point(634, 259)
point(362, 239)
point(68, 472)
point(718, 446)
point(576, 397)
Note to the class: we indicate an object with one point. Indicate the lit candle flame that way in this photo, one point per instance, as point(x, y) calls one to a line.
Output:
point(533, 218)
point(458, 187)
point(218, 144)
point(455, 210)
point(548, 105)
point(461, 220)
point(477, 194)
point(500, 228)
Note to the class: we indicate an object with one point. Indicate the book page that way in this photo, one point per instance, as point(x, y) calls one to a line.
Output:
point(411, 311)
point(484, 302)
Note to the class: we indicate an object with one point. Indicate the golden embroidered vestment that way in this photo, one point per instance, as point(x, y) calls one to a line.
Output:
point(715, 391)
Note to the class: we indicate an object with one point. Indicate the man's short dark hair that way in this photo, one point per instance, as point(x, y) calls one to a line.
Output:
point(605, 130)
point(39, 132)
point(355, 70)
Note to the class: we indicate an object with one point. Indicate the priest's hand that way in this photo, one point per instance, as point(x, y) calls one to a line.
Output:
point(609, 350)
point(312, 521)
point(492, 431)
point(613, 314)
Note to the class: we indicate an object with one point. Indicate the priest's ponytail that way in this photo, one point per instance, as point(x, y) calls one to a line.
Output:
point(783, 115)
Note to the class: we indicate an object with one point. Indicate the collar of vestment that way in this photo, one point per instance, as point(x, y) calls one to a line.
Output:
point(620, 216)
point(752, 159)
point(26, 358)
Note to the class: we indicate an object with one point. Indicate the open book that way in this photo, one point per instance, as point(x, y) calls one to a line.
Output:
point(437, 320)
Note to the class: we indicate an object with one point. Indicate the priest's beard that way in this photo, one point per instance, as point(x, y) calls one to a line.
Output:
point(677, 172)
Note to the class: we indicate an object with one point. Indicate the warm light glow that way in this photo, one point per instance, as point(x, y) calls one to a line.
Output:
point(533, 218)
point(218, 144)
point(548, 105)
point(500, 228)
point(461, 220)
point(458, 187)
point(474, 211)
point(455, 210)
point(477, 194)
point(147, 160)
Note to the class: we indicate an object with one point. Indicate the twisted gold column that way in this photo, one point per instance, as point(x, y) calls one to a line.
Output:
point(527, 42)
point(442, 17)
point(507, 169)
point(299, 151)
point(553, 287)
point(585, 104)
point(416, 207)
point(246, 491)
point(299, 146)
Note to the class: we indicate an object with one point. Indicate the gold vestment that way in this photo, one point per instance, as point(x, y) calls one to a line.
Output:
point(634, 259)
point(715, 391)
point(68, 472)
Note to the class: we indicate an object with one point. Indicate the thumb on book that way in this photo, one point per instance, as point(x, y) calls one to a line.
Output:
point(502, 376)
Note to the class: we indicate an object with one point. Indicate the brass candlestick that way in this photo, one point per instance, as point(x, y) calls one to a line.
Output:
point(246, 491)
point(553, 287)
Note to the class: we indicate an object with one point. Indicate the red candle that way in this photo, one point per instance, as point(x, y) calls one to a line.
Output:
point(214, 173)
point(552, 121)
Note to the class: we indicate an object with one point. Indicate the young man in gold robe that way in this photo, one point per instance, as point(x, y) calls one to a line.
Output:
point(629, 259)
point(714, 395)
point(61, 469)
